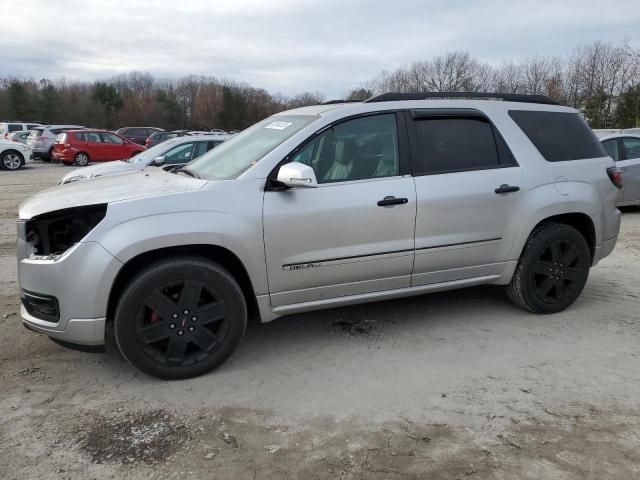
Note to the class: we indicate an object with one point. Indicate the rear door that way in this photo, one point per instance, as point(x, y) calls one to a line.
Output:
point(114, 147)
point(630, 164)
point(469, 202)
point(94, 146)
point(353, 234)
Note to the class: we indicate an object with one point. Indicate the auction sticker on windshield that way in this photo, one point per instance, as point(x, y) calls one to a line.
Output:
point(278, 125)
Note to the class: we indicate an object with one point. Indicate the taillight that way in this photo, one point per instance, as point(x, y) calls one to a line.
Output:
point(615, 175)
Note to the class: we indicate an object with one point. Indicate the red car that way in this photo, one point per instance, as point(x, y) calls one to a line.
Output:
point(84, 146)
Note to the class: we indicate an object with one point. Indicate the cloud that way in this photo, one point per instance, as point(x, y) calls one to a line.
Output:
point(293, 46)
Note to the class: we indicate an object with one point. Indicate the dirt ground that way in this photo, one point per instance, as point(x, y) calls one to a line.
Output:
point(447, 386)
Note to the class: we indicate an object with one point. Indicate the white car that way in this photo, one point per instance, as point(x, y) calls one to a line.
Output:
point(173, 152)
point(13, 155)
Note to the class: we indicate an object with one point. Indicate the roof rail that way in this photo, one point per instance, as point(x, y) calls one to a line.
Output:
point(507, 97)
point(333, 102)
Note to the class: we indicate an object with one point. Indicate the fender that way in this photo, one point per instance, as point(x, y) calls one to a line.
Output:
point(559, 199)
point(133, 237)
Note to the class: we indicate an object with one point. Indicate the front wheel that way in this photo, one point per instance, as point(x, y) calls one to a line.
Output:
point(11, 160)
point(180, 318)
point(552, 270)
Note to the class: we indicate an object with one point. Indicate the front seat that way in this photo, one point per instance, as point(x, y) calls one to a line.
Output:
point(346, 154)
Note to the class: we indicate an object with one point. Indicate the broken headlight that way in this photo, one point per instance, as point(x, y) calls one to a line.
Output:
point(54, 233)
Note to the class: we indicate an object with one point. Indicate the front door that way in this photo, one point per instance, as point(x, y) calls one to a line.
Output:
point(469, 197)
point(354, 233)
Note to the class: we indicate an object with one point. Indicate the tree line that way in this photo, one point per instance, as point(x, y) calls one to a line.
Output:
point(602, 80)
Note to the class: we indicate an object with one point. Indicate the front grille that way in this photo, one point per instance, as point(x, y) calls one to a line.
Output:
point(43, 307)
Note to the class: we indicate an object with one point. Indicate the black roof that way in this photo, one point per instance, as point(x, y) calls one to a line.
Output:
point(507, 97)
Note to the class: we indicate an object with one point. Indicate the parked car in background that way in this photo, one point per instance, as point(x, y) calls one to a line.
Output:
point(20, 137)
point(159, 137)
point(602, 132)
point(41, 139)
point(80, 147)
point(7, 128)
point(171, 153)
point(624, 148)
point(138, 134)
point(13, 155)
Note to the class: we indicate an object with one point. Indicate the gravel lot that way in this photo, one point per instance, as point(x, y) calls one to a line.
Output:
point(454, 385)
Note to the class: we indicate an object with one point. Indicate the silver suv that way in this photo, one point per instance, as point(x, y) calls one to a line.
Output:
point(320, 207)
point(41, 139)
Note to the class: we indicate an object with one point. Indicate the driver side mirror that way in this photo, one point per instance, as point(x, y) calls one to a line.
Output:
point(158, 161)
point(296, 175)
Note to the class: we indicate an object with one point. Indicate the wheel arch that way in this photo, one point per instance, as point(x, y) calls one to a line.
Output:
point(221, 255)
point(582, 222)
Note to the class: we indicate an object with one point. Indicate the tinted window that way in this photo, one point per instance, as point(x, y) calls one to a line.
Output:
point(200, 148)
point(14, 127)
point(455, 144)
point(631, 147)
point(559, 136)
point(354, 150)
point(611, 147)
point(29, 127)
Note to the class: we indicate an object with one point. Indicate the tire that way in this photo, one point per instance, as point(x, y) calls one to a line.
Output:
point(49, 156)
point(552, 270)
point(156, 329)
point(11, 160)
point(81, 159)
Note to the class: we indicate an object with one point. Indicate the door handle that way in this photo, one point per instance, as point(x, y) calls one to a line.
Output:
point(504, 188)
point(386, 201)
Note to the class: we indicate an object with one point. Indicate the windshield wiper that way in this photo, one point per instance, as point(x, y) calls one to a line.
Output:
point(191, 173)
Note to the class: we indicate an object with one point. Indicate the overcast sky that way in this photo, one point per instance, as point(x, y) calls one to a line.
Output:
point(292, 46)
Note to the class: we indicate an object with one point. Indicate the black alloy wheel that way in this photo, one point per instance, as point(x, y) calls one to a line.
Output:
point(180, 318)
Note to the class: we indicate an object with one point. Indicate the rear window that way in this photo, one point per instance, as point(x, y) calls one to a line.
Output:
point(559, 136)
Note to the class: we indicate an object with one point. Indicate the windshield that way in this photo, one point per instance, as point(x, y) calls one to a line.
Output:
point(245, 149)
point(150, 153)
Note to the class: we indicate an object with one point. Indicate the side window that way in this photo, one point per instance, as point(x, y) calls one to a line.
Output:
point(611, 146)
point(212, 144)
point(179, 154)
point(30, 127)
point(14, 127)
point(111, 138)
point(558, 136)
point(358, 149)
point(455, 144)
point(78, 136)
point(92, 137)
point(199, 149)
point(631, 147)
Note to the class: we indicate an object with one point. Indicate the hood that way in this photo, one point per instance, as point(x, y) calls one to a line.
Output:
point(108, 189)
point(11, 143)
point(109, 168)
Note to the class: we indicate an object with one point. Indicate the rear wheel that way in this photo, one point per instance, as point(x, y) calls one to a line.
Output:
point(180, 318)
point(11, 160)
point(552, 270)
point(48, 157)
point(81, 159)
